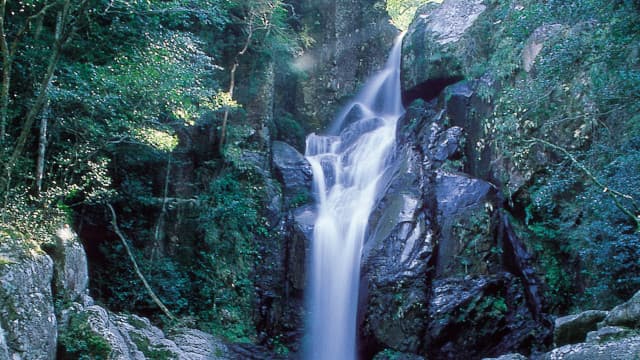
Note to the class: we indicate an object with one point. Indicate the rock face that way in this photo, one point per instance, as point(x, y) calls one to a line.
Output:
point(293, 171)
point(433, 227)
point(71, 275)
point(133, 337)
point(628, 348)
point(28, 326)
point(463, 204)
point(433, 52)
point(479, 316)
point(627, 314)
point(536, 42)
point(352, 39)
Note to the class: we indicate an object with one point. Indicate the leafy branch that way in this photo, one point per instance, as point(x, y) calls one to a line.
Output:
point(615, 195)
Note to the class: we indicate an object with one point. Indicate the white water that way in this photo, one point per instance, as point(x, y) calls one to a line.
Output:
point(346, 170)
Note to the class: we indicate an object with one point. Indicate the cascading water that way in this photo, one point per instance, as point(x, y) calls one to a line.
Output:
point(346, 171)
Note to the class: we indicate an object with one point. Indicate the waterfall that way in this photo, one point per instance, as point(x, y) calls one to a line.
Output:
point(347, 167)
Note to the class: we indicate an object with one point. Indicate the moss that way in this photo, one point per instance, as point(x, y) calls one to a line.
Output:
point(136, 322)
point(301, 198)
point(5, 261)
point(79, 342)
point(150, 351)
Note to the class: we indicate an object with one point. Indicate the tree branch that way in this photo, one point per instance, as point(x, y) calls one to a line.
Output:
point(613, 194)
point(156, 299)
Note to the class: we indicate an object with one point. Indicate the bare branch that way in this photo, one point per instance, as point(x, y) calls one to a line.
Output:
point(156, 299)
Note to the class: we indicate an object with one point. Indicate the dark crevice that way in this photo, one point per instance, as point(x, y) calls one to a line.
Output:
point(428, 90)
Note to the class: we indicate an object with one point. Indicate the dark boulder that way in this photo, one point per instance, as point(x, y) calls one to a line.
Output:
point(479, 316)
point(292, 170)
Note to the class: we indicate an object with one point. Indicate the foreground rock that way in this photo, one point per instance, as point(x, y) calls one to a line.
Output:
point(480, 316)
point(617, 335)
point(624, 349)
point(627, 314)
point(133, 337)
point(28, 326)
point(574, 328)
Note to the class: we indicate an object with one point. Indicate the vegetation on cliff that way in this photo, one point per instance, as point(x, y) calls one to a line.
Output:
point(573, 120)
point(102, 103)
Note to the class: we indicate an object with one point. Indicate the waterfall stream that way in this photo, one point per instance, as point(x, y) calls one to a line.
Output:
point(346, 171)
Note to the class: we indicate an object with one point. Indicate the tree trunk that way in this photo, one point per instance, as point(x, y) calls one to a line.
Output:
point(154, 297)
point(60, 38)
point(232, 82)
point(42, 147)
point(6, 73)
point(158, 234)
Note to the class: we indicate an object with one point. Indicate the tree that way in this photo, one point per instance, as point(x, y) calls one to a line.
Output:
point(264, 24)
point(67, 15)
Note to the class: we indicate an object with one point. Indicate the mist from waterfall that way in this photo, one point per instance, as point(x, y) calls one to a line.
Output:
point(347, 167)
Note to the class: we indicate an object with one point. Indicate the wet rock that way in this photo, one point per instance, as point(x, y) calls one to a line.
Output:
point(464, 206)
point(300, 236)
point(28, 325)
point(573, 329)
point(352, 132)
point(292, 170)
point(479, 316)
point(626, 314)
point(465, 109)
point(623, 349)
point(433, 48)
point(397, 254)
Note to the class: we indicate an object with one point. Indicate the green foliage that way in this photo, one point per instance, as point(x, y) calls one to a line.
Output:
point(289, 130)
point(117, 93)
point(575, 225)
point(582, 95)
point(402, 11)
point(151, 352)
point(80, 342)
point(231, 221)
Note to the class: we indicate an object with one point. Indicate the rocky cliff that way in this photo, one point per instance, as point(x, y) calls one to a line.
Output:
point(446, 272)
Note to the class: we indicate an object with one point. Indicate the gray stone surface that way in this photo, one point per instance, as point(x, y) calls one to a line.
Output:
point(70, 265)
point(292, 170)
point(607, 333)
point(509, 357)
point(132, 337)
point(26, 306)
point(624, 349)
point(433, 48)
point(574, 328)
point(626, 314)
